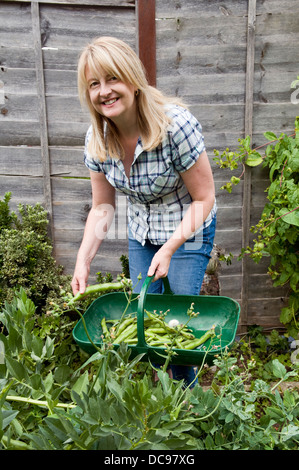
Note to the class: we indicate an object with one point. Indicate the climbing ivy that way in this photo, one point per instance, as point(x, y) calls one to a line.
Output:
point(276, 233)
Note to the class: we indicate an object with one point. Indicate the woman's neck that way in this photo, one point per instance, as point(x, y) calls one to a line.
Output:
point(128, 131)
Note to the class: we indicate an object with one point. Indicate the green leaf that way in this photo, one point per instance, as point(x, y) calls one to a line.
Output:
point(57, 427)
point(165, 380)
point(275, 413)
point(246, 143)
point(39, 442)
point(286, 315)
point(95, 357)
point(229, 418)
point(295, 83)
point(291, 218)
point(7, 417)
point(51, 441)
point(36, 381)
point(270, 136)
point(115, 389)
point(254, 159)
point(290, 431)
point(81, 384)
point(48, 348)
point(68, 427)
point(294, 161)
point(16, 369)
point(48, 381)
point(37, 348)
point(14, 340)
point(209, 443)
point(279, 369)
point(294, 279)
point(234, 180)
point(62, 374)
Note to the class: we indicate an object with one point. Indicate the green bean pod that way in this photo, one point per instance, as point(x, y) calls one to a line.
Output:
point(198, 341)
point(97, 289)
point(127, 333)
point(157, 333)
point(104, 328)
point(123, 325)
point(132, 341)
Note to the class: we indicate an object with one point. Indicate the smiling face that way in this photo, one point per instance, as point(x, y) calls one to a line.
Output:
point(111, 97)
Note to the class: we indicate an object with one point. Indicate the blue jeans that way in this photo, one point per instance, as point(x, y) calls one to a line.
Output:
point(186, 272)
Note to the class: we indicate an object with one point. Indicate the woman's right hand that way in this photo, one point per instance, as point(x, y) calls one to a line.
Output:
point(80, 278)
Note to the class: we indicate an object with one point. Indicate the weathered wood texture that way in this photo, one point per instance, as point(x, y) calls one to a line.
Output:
point(248, 123)
point(201, 52)
point(65, 28)
point(146, 10)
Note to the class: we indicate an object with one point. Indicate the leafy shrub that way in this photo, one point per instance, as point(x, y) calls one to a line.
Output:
point(26, 258)
point(276, 233)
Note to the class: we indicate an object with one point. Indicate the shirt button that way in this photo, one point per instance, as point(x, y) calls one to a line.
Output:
point(137, 213)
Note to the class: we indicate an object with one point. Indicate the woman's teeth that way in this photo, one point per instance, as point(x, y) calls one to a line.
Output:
point(110, 101)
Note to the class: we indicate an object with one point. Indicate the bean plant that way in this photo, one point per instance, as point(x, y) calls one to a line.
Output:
point(55, 397)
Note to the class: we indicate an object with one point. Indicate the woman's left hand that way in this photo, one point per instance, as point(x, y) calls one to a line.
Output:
point(160, 264)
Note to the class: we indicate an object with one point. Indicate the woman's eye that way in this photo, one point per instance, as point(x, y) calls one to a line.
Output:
point(93, 84)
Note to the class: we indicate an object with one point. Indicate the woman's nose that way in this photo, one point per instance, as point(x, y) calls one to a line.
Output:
point(105, 89)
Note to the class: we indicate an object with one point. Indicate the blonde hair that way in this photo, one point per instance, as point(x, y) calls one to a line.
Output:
point(116, 58)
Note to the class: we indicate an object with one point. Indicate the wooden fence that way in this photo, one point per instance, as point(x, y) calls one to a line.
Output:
point(232, 61)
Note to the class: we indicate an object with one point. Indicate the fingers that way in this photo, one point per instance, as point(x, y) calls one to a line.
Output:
point(159, 267)
point(75, 287)
point(78, 286)
point(80, 278)
point(158, 272)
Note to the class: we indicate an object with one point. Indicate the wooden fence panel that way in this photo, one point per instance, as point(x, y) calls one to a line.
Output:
point(52, 171)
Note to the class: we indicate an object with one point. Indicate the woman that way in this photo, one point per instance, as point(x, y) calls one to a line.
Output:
point(151, 148)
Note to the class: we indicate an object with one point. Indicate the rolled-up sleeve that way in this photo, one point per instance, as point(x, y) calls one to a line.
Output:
point(187, 140)
point(91, 163)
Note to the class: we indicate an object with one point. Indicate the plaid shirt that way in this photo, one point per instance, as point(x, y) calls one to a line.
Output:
point(155, 190)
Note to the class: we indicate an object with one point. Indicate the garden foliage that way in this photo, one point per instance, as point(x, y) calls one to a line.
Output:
point(52, 397)
point(26, 254)
point(276, 233)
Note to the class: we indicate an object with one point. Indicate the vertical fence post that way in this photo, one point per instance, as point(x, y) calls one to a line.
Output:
point(246, 223)
point(146, 34)
point(42, 113)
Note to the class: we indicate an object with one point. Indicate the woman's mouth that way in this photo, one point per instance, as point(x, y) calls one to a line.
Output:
point(112, 101)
